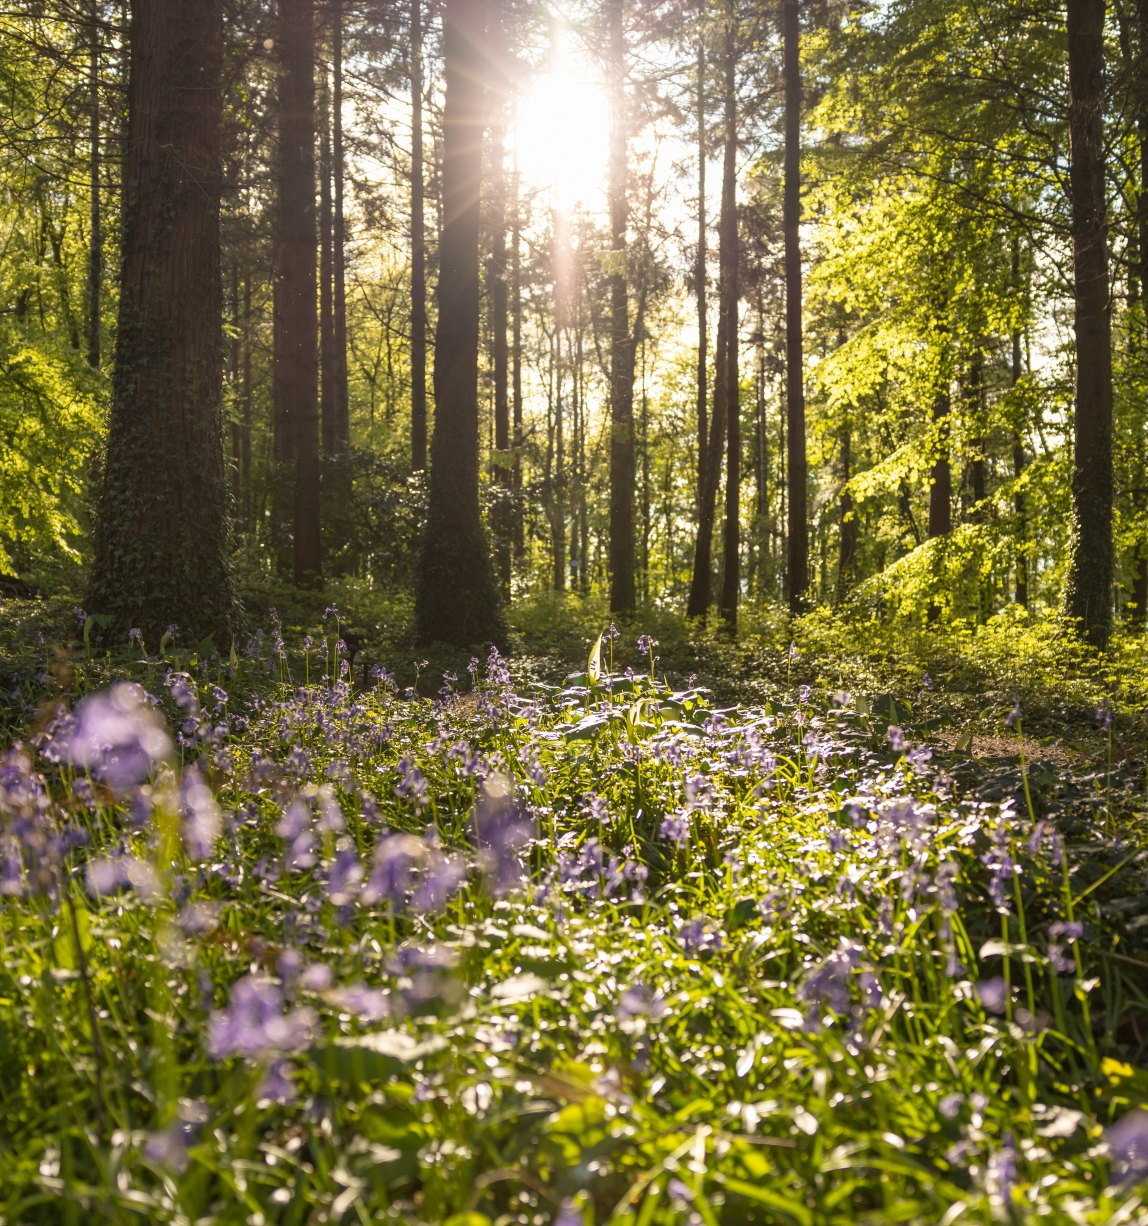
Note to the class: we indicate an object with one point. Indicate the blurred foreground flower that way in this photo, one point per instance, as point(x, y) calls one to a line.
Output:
point(254, 1024)
point(117, 735)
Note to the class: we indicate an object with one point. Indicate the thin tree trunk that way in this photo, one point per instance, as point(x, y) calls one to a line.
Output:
point(1088, 598)
point(297, 366)
point(516, 362)
point(499, 84)
point(245, 436)
point(162, 545)
point(1018, 457)
point(621, 342)
point(95, 238)
point(727, 373)
point(940, 476)
point(326, 279)
point(457, 599)
point(1140, 567)
point(418, 254)
point(847, 547)
point(339, 247)
point(700, 275)
point(798, 560)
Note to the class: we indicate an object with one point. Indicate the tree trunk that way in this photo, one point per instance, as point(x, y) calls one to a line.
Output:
point(700, 276)
point(457, 600)
point(621, 343)
point(296, 359)
point(326, 280)
point(163, 531)
point(503, 528)
point(1018, 457)
point(418, 254)
point(245, 432)
point(798, 561)
point(847, 547)
point(95, 238)
point(1088, 597)
point(727, 372)
point(516, 362)
point(339, 249)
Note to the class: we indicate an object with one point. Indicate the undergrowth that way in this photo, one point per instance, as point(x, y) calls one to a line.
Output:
point(283, 948)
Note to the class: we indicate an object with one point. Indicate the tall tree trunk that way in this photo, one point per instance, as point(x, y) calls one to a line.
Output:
point(978, 468)
point(621, 342)
point(457, 600)
point(418, 253)
point(1018, 456)
point(1088, 597)
point(700, 275)
point(297, 359)
point(245, 433)
point(162, 546)
point(1140, 567)
point(499, 86)
point(516, 362)
point(95, 237)
point(727, 373)
point(940, 475)
point(339, 248)
point(847, 546)
point(798, 561)
point(326, 280)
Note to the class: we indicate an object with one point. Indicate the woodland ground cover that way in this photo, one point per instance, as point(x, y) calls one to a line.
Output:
point(605, 947)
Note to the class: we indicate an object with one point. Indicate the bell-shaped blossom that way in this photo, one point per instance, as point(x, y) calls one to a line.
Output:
point(202, 818)
point(117, 735)
point(255, 1023)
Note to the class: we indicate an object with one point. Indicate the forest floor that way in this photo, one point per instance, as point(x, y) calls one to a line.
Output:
point(834, 922)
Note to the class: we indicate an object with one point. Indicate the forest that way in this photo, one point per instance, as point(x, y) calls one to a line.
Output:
point(749, 403)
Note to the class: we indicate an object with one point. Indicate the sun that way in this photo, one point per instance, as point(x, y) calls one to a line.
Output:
point(563, 131)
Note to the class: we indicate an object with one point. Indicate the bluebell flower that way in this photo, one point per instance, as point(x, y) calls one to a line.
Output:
point(1128, 1147)
point(255, 1023)
point(116, 735)
point(993, 994)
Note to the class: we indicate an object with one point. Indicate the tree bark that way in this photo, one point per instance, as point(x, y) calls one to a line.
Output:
point(797, 578)
point(339, 247)
point(418, 254)
point(499, 88)
point(847, 545)
point(727, 373)
point(163, 527)
point(95, 237)
point(326, 279)
point(297, 360)
point(700, 275)
point(1018, 457)
point(457, 600)
point(516, 362)
point(1088, 597)
point(622, 594)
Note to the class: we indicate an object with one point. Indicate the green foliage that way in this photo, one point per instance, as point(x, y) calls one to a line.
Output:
point(52, 421)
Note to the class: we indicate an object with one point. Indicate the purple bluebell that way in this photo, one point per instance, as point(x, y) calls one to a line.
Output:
point(567, 1215)
point(278, 1084)
point(697, 936)
point(370, 1004)
point(168, 1147)
point(502, 833)
point(202, 818)
point(998, 860)
point(345, 876)
point(993, 994)
point(441, 879)
point(950, 1105)
point(827, 982)
point(412, 785)
point(116, 735)
point(394, 861)
point(1128, 1147)
point(1072, 929)
point(1001, 1175)
point(254, 1022)
point(896, 738)
point(1014, 715)
point(316, 978)
point(639, 1000)
point(676, 828)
